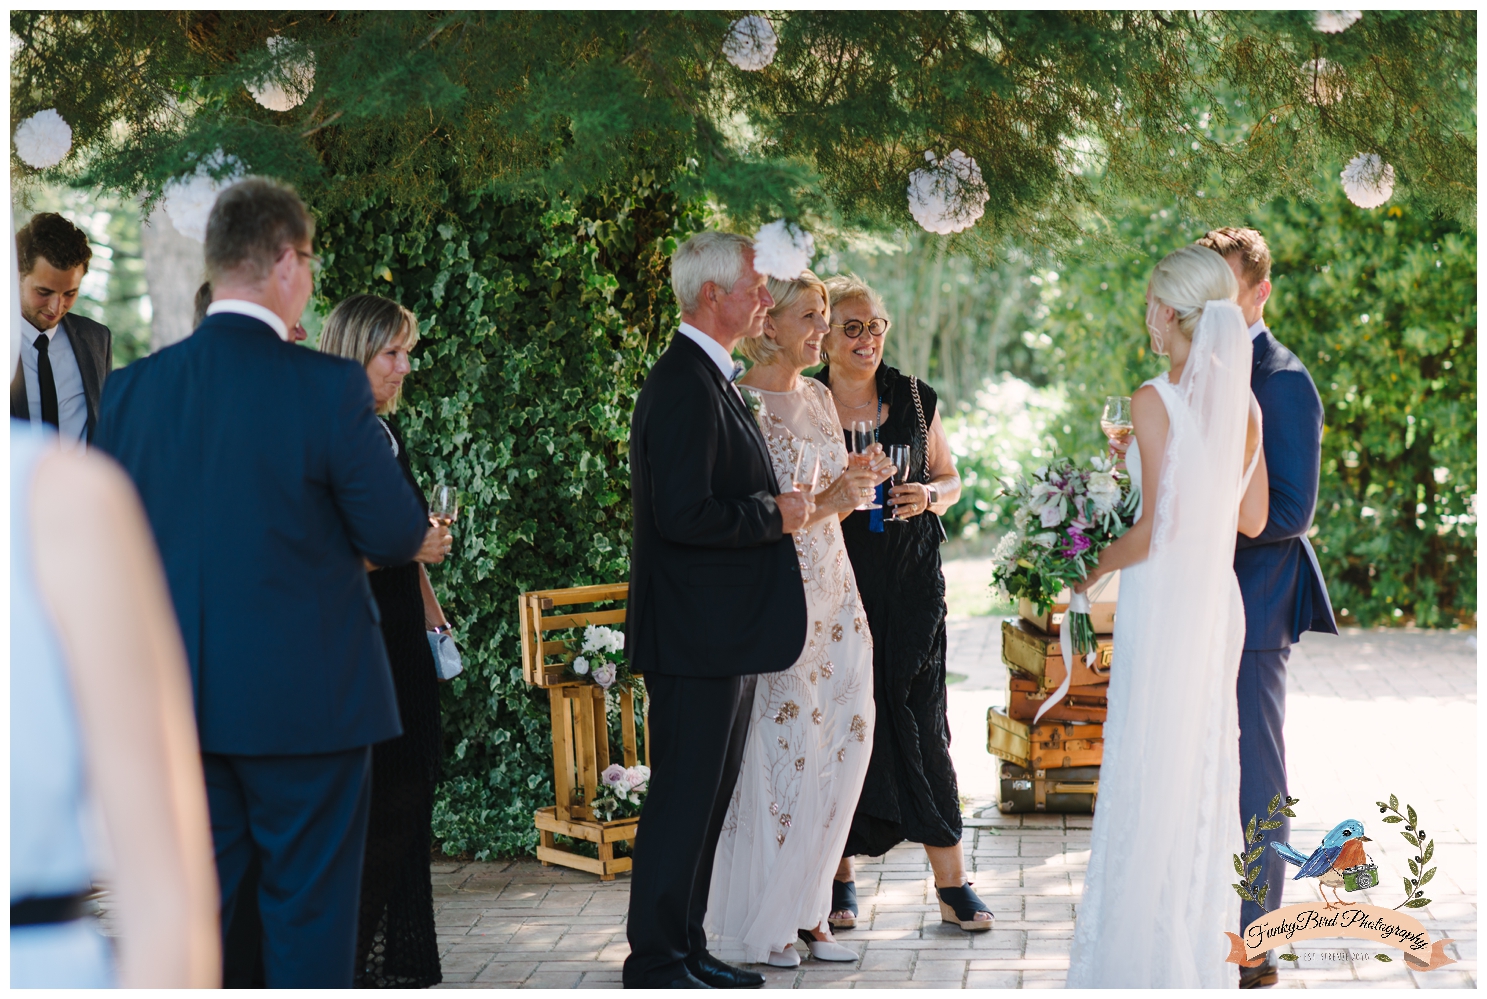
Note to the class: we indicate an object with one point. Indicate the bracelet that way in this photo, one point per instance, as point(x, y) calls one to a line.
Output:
point(934, 495)
point(441, 629)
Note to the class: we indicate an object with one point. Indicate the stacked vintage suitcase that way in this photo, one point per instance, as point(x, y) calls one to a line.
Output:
point(1053, 766)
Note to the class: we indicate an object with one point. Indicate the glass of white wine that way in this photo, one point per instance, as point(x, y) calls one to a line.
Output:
point(444, 505)
point(1116, 422)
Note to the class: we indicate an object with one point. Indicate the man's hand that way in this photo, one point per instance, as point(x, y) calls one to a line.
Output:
point(436, 544)
point(795, 509)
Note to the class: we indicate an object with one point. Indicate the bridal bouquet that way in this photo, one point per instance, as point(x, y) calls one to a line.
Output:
point(1066, 514)
point(599, 660)
point(621, 791)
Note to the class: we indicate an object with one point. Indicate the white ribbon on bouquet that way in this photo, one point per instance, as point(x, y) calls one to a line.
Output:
point(1079, 603)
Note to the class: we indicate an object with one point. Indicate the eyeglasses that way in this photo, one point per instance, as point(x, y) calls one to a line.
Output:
point(854, 328)
point(316, 261)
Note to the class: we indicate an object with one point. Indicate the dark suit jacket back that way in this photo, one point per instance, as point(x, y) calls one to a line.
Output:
point(266, 478)
point(93, 346)
point(1282, 585)
point(715, 586)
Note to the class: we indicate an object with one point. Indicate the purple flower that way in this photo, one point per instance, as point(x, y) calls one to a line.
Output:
point(605, 675)
point(615, 776)
point(1077, 543)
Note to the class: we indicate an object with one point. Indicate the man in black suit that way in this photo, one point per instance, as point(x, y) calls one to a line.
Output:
point(267, 480)
point(64, 358)
point(715, 597)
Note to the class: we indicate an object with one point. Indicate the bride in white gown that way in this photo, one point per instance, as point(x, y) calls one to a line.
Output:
point(811, 731)
point(1158, 898)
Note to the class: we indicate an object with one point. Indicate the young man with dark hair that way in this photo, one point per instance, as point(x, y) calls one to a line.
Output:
point(1279, 577)
point(64, 358)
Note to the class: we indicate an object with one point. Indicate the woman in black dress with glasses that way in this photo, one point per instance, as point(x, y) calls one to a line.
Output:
point(910, 792)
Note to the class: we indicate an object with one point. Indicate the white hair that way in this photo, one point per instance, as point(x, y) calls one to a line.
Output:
point(707, 256)
point(1187, 278)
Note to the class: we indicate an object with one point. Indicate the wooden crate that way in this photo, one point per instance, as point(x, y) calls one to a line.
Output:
point(1038, 654)
point(580, 727)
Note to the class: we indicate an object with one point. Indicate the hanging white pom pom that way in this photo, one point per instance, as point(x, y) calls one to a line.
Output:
point(949, 194)
point(1332, 21)
point(783, 250)
point(751, 43)
point(1324, 81)
point(43, 139)
point(189, 200)
point(1368, 180)
point(291, 84)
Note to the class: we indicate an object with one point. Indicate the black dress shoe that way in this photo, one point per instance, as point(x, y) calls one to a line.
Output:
point(687, 982)
point(714, 974)
point(1261, 976)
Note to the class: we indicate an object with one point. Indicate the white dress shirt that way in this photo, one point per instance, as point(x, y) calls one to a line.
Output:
point(1257, 328)
point(715, 350)
point(72, 401)
point(252, 309)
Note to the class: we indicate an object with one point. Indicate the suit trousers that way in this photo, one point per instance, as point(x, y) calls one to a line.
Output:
point(698, 726)
point(1262, 762)
point(305, 818)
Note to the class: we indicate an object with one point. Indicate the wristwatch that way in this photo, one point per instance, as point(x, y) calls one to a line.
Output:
point(934, 495)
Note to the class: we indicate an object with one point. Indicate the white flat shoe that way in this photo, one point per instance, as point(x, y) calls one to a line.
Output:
point(787, 958)
point(827, 950)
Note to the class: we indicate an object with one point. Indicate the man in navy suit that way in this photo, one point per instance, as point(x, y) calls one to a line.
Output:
point(1279, 577)
point(267, 481)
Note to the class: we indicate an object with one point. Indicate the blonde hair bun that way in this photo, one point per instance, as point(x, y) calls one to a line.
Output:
point(1190, 277)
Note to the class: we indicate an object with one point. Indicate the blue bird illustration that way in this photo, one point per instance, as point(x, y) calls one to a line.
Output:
point(1341, 849)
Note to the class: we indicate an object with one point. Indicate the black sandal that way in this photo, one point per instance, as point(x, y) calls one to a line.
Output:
point(843, 899)
point(960, 905)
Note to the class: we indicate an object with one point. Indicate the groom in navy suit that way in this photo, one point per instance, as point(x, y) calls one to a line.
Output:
point(267, 480)
point(1279, 577)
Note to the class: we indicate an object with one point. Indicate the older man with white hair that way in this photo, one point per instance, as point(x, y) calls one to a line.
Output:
point(715, 598)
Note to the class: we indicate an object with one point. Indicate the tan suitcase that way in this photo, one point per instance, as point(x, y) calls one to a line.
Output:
point(1025, 696)
point(1043, 746)
point(1039, 655)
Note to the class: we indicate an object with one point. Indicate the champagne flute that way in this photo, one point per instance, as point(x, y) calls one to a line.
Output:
point(899, 455)
point(445, 505)
point(1116, 421)
point(861, 438)
point(807, 468)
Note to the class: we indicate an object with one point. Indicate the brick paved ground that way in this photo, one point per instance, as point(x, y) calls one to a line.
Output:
point(1370, 713)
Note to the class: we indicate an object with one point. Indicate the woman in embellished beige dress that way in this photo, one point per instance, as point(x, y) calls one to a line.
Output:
point(811, 732)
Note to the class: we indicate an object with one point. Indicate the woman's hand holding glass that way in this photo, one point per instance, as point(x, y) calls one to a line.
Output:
point(856, 483)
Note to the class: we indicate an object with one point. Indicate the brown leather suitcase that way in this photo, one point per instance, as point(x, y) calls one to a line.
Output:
point(1070, 790)
point(1045, 745)
point(1026, 695)
point(1039, 655)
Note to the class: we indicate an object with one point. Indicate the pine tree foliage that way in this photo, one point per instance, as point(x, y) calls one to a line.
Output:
point(1227, 102)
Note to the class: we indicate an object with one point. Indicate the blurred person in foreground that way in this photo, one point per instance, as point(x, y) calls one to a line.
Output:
point(65, 359)
point(910, 792)
point(396, 943)
point(267, 479)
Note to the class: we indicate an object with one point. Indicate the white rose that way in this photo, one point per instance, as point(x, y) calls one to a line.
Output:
point(1103, 491)
point(581, 666)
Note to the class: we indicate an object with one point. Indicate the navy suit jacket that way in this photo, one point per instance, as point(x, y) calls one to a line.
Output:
point(266, 478)
point(1279, 577)
point(715, 588)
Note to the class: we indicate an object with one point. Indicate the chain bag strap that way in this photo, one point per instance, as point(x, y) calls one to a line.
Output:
point(924, 439)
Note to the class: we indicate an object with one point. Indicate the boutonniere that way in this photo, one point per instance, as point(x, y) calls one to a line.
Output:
point(755, 403)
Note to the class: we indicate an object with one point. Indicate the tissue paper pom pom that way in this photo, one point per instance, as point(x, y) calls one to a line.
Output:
point(948, 195)
point(43, 139)
point(289, 87)
point(1324, 81)
point(189, 200)
point(1368, 180)
point(751, 43)
point(782, 251)
point(1333, 21)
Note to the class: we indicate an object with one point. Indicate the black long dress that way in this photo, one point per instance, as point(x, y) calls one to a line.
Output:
point(396, 945)
point(910, 792)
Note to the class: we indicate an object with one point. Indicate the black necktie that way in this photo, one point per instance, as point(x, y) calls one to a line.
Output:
point(48, 383)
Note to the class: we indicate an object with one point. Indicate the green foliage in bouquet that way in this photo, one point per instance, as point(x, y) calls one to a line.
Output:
point(1381, 307)
point(539, 322)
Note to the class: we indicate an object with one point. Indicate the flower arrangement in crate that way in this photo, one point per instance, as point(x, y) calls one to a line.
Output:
point(599, 659)
point(621, 792)
point(1066, 515)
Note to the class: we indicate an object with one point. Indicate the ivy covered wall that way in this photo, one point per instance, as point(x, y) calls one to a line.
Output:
point(539, 321)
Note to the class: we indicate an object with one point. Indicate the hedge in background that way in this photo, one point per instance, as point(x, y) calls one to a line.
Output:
point(1381, 307)
point(539, 323)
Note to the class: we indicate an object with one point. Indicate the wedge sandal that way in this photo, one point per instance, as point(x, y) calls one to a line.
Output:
point(843, 899)
point(960, 905)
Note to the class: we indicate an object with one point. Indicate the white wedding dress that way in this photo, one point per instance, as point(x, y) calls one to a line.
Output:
point(811, 731)
point(1157, 898)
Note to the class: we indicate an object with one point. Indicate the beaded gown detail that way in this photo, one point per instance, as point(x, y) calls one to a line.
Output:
point(910, 792)
point(810, 731)
point(396, 942)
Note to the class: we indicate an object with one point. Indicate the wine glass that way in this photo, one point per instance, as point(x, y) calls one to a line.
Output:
point(444, 507)
point(807, 468)
point(860, 440)
point(1116, 421)
point(899, 455)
